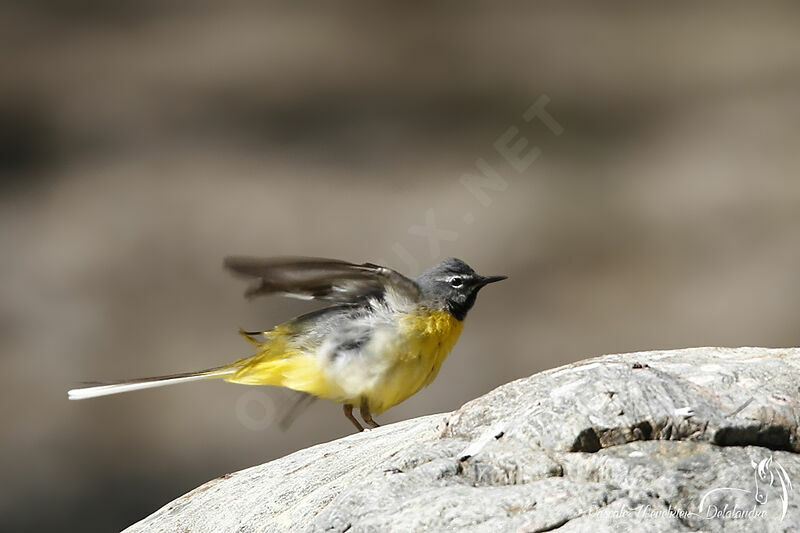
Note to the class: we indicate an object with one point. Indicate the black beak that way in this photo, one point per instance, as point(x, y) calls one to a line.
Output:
point(482, 281)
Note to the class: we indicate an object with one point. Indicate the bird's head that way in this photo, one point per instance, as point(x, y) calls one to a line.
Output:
point(453, 285)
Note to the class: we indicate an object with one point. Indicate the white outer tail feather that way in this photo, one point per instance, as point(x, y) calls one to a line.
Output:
point(125, 386)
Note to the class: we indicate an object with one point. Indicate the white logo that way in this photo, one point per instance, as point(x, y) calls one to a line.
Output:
point(769, 477)
point(767, 473)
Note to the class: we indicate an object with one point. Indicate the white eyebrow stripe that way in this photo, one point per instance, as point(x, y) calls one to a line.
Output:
point(454, 276)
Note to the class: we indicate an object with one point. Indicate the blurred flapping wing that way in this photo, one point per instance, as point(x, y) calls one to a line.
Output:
point(312, 278)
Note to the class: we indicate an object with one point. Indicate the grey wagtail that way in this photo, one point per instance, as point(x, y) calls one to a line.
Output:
point(383, 339)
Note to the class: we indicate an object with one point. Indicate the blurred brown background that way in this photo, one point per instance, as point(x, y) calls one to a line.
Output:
point(141, 142)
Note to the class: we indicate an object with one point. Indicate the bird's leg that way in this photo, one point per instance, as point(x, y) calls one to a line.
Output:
point(366, 415)
point(348, 412)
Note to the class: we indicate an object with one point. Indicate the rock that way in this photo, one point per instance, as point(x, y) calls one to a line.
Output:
point(702, 439)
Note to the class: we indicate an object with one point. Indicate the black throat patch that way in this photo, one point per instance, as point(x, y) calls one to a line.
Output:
point(460, 309)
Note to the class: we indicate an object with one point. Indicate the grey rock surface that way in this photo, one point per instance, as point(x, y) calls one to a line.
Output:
point(702, 439)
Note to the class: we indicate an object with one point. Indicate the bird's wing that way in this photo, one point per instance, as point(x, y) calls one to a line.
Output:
point(323, 279)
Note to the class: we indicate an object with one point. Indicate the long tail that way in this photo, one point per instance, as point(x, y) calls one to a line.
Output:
point(148, 383)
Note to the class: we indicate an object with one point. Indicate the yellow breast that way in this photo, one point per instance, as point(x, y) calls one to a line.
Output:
point(424, 341)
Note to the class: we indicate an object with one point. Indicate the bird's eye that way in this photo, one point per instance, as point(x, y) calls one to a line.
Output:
point(456, 282)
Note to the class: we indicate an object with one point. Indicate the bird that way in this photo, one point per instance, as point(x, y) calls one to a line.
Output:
point(382, 337)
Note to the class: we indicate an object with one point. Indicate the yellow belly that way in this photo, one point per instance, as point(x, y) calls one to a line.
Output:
point(425, 339)
point(409, 360)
